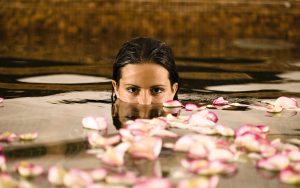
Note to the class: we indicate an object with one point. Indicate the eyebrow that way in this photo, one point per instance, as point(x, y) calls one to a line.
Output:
point(140, 87)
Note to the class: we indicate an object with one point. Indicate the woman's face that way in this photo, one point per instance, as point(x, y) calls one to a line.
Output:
point(145, 83)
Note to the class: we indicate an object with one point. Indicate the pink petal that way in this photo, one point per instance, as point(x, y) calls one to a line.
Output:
point(191, 107)
point(294, 155)
point(153, 182)
point(199, 182)
point(7, 137)
point(289, 176)
point(220, 101)
point(220, 154)
point(98, 174)
point(286, 102)
point(2, 163)
point(28, 136)
point(274, 163)
point(7, 181)
point(128, 178)
point(98, 123)
point(163, 133)
point(147, 147)
point(198, 151)
point(26, 169)
point(253, 129)
point(274, 109)
point(197, 119)
point(56, 175)
point(77, 178)
point(172, 103)
point(114, 156)
point(97, 140)
point(224, 131)
point(251, 141)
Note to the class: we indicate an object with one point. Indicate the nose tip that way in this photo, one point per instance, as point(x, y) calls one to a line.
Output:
point(145, 98)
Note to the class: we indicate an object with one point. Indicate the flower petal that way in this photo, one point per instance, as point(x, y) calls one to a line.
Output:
point(224, 131)
point(220, 101)
point(191, 107)
point(114, 156)
point(77, 178)
point(153, 182)
point(96, 140)
point(7, 137)
point(172, 103)
point(56, 175)
point(3, 166)
point(7, 181)
point(127, 178)
point(289, 176)
point(199, 182)
point(98, 174)
point(98, 123)
point(27, 169)
point(274, 163)
point(28, 136)
point(146, 147)
point(286, 102)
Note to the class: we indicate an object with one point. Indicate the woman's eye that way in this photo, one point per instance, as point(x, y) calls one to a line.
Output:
point(132, 90)
point(156, 91)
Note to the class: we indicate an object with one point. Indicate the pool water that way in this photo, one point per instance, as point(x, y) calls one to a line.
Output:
point(52, 98)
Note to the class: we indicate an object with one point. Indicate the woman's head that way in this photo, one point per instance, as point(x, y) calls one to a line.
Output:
point(144, 72)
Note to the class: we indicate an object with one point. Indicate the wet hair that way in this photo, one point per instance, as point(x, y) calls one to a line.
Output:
point(140, 50)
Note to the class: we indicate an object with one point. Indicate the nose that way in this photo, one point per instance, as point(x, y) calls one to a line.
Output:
point(145, 98)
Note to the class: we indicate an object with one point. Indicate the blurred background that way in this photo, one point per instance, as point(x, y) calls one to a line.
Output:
point(216, 42)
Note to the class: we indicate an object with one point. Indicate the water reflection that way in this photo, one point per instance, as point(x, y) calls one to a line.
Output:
point(122, 112)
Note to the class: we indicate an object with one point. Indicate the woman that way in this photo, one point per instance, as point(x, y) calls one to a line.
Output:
point(144, 72)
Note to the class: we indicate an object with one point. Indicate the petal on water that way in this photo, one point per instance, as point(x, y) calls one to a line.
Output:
point(172, 104)
point(274, 163)
point(289, 176)
point(191, 107)
point(286, 102)
point(77, 178)
point(114, 156)
point(153, 182)
point(147, 147)
point(98, 123)
point(7, 137)
point(28, 136)
point(127, 178)
point(27, 169)
point(199, 182)
point(220, 101)
point(56, 175)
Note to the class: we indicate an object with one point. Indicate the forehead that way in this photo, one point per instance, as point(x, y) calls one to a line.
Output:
point(145, 74)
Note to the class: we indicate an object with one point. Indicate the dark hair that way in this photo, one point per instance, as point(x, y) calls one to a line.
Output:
point(141, 50)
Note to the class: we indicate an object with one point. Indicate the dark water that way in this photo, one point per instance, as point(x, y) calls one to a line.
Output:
point(53, 97)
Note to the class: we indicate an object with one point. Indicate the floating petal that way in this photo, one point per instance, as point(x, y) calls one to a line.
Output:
point(77, 178)
point(289, 176)
point(220, 101)
point(286, 102)
point(199, 182)
point(98, 174)
point(7, 137)
point(96, 140)
point(172, 104)
point(2, 163)
point(56, 175)
point(153, 182)
point(146, 147)
point(114, 156)
point(28, 136)
point(274, 109)
point(274, 163)
point(224, 131)
point(98, 123)
point(128, 178)
point(7, 181)
point(191, 107)
point(27, 169)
